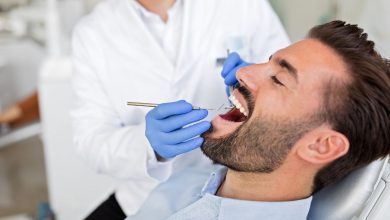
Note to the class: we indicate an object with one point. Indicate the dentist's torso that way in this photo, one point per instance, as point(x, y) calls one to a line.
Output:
point(132, 66)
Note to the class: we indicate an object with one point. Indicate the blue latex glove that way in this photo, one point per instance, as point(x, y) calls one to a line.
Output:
point(230, 67)
point(165, 132)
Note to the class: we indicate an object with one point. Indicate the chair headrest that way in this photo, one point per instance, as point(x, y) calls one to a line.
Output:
point(347, 198)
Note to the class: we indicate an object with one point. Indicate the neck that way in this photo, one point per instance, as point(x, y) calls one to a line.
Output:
point(275, 186)
point(159, 7)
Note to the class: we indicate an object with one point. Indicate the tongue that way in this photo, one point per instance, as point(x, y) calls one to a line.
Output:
point(234, 115)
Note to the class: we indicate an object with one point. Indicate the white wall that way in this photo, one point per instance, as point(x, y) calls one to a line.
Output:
point(18, 73)
point(299, 16)
point(373, 16)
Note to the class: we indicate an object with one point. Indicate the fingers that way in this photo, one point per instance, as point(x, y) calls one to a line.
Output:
point(168, 109)
point(182, 147)
point(232, 61)
point(231, 78)
point(177, 121)
point(166, 128)
point(184, 134)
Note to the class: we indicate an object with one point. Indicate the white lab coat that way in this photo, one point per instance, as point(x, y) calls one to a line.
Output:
point(117, 60)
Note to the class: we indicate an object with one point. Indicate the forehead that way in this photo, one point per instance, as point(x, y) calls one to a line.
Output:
point(313, 59)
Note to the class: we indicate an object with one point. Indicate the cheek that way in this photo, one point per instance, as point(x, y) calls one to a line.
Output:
point(269, 103)
point(274, 103)
point(291, 107)
point(309, 98)
point(307, 104)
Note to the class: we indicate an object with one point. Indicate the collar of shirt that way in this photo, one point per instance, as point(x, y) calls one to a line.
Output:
point(152, 16)
point(167, 34)
point(234, 208)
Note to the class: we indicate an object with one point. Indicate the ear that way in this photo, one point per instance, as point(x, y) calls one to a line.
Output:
point(323, 147)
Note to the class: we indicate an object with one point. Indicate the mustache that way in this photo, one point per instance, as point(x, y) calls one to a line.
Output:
point(248, 98)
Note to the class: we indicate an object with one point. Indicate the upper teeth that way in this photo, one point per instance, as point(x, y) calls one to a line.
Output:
point(238, 105)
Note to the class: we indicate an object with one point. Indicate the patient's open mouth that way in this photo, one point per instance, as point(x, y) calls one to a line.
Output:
point(238, 112)
point(229, 122)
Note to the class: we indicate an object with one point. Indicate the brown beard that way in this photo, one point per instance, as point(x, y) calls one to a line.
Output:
point(258, 146)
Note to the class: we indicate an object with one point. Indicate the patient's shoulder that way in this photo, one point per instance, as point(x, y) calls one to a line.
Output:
point(179, 191)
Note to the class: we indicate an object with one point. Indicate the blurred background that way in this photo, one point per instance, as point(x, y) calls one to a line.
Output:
point(40, 176)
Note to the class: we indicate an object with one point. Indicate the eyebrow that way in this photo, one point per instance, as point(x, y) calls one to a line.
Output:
point(290, 68)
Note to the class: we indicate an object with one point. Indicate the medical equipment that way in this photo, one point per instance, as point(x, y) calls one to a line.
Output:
point(231, 88)
point(152, 105)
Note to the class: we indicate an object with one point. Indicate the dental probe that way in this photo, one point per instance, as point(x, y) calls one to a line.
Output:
point(152, 105)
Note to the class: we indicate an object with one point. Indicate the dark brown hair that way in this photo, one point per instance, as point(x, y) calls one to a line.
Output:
point(360, 107)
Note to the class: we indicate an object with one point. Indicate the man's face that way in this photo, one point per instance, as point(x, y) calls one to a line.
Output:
point(282, 99)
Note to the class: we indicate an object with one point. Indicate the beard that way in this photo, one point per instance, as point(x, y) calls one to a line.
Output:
point(257, 146)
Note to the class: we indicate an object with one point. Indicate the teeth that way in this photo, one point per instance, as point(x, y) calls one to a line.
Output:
point(238, 105)
point(242, 110)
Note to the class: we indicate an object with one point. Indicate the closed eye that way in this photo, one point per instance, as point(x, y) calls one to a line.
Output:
point(276, 81)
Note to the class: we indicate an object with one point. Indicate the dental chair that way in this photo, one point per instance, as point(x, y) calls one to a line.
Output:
point(362, 195)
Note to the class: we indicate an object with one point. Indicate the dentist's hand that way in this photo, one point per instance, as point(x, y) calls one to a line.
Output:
point(230, 67)
point(165, 132)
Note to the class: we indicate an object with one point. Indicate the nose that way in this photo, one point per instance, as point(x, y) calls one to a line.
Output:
point(250, 76)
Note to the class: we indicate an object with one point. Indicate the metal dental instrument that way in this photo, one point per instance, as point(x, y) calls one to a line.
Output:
point(152, 105)
point(231, 88)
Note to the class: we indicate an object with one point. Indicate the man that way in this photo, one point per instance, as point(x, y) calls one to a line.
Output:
point(156, 51)
point(316, 111)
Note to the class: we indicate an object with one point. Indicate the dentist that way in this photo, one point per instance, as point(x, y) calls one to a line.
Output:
point(157, 51)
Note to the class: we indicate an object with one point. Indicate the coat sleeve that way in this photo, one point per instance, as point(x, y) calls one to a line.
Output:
point(99, 135)
point(268, 32)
